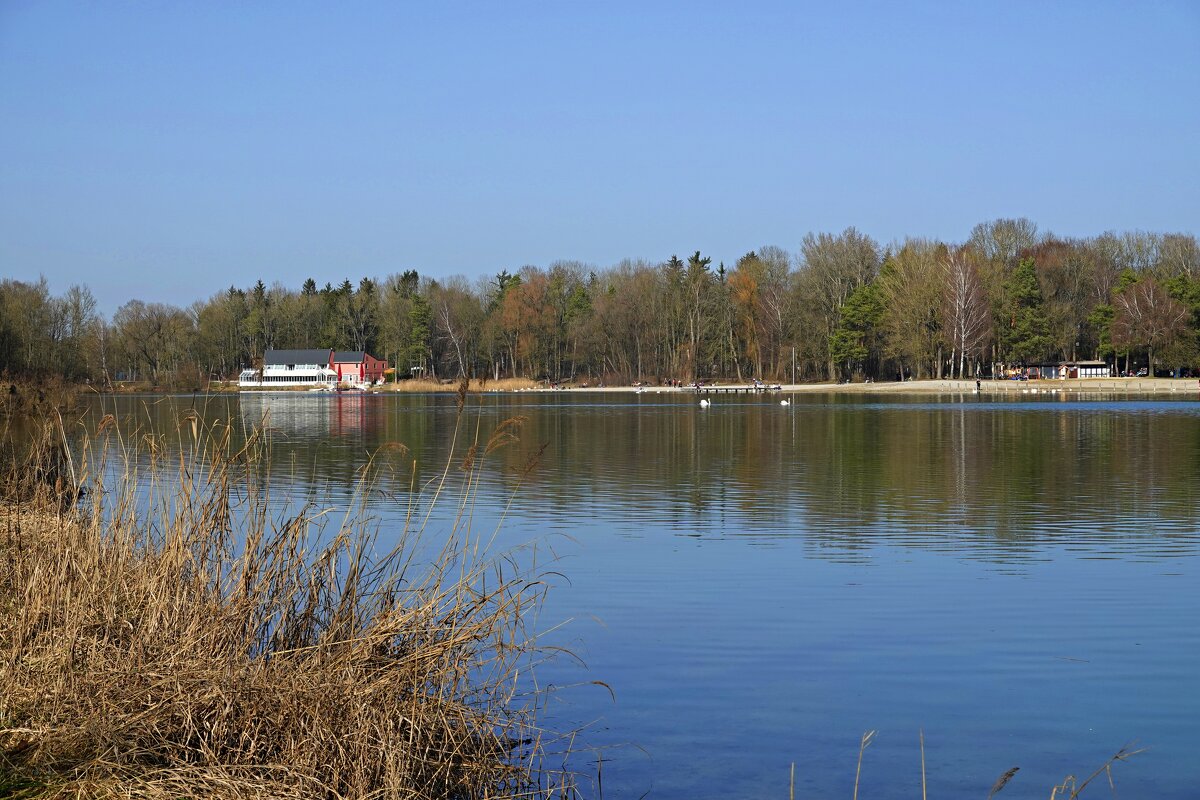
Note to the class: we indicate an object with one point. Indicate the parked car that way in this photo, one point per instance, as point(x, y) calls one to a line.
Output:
point(1143, 372)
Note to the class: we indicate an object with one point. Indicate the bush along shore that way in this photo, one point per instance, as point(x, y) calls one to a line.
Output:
point(171, 633)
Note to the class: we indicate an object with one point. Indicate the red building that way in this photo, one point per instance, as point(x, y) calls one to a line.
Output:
point(357, 366)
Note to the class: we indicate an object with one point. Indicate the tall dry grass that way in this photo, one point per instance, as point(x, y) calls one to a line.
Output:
point(35, 462)
point(1071, 787)
point(175, 634)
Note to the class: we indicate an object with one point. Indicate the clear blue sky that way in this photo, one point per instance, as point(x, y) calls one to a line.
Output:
point(167, 150)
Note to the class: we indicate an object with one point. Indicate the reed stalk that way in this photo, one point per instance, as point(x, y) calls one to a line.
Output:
point(924, 794)
point(863, 744)
point(182, 632)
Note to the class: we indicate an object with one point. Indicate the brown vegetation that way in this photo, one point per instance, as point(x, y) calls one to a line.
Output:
point(176, 634)
point(35, 462)
point(21, 400)
point(1070, 788)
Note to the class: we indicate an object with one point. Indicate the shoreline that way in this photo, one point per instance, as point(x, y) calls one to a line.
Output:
point(1120, 386)
point(1130, 386)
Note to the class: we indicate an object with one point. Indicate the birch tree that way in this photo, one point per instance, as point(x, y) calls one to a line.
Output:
point(966, 317)
point(697, 286)
point(457, 321)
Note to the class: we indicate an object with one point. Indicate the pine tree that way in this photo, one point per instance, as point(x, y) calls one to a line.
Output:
point(420, 317)
point(1024, 334)
point(856, 339)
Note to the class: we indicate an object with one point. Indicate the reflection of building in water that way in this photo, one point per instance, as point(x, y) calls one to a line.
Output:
point(349, 414)
point(310, 416)
point(290, 412)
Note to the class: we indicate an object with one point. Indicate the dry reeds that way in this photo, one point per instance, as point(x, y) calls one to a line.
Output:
point(36, 464)
point(185, 634)
point(35, 399)
point(863, 744)
point(1070, 788)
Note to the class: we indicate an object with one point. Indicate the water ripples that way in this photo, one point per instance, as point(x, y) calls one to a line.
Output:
point(760, 584)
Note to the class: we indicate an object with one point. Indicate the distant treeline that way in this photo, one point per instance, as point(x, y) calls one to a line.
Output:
point(843, 307)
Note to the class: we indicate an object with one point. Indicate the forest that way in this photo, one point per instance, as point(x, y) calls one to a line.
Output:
point(843, 307)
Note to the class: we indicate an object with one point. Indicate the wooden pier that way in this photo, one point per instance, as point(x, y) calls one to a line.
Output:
point(744, 388)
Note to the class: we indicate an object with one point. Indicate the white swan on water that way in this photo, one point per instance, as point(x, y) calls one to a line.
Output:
point(784, 403)
point(705, 403)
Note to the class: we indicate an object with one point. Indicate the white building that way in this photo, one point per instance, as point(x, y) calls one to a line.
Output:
point(284, 368)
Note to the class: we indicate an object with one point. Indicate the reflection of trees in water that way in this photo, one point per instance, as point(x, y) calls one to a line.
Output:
point(980, 480)
point(337, 434)
point(1007, 482)
point(317, 441)
point(702, 472)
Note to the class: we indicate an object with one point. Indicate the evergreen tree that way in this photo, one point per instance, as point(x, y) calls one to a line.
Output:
point(410, 281)
point(1100, 321)
point(855, 342)
point(416, 353)
point(1024, 336)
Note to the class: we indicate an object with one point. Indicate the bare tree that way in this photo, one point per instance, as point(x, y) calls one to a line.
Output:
point(833, 267)
point(910, 284)
point(458, 319)
point(1146, 316)
point(965, 313)
point(697, 285)
point(1002, 241)
point(154, 338)
point(773, 291)
point(1139, 250)
point(1179, 255)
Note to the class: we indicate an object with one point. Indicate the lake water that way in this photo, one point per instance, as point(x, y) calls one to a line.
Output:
point(762, 584)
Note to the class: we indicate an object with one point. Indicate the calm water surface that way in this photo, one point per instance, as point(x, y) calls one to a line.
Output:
point(760, 584)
